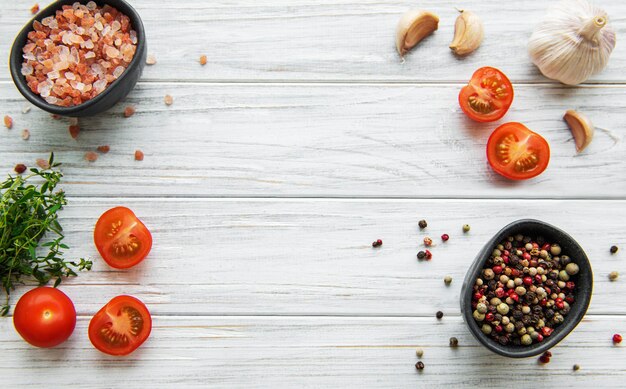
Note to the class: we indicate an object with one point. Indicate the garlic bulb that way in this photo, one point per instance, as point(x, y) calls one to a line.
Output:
point(572, 42)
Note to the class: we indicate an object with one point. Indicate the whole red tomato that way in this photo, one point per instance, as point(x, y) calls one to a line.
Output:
point(44, 317)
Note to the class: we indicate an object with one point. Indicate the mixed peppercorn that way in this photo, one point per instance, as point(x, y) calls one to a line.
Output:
point(524, 291)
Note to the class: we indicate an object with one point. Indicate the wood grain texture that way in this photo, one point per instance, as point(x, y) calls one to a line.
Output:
point(336, 140)
point(314, 257)
point(286, 40)
point(240, 352)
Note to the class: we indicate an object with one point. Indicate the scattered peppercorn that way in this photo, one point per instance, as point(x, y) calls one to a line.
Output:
point(454, 342)
point(138, 155)
point(377, 243)
point(422, 224)
point(8, 122)
point(613, 276)
point(20, 168)
point(429, 255)
point(617, 339)
point(613, 249)
point(203, 60)
point(545, 357)
point(428, 241)
point(466, 227)
point(129, 111)
point(439, 314)
point(419, 352)
point(419, 365)
point(447, 280)
point(74, 131)
point(445, 237)
point(576, 367)
point(421, 255)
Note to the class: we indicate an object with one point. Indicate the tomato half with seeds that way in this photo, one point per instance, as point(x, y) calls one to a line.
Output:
point(487, 96)
point(121, 326)
point(44, 317)
point(516, 152)
point(121, 238)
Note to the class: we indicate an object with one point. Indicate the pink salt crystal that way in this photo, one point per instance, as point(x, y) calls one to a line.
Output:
point(169, 100)
point(8, 122)
point(70, 76)
point(138, 155)
point(112, 52)
point(91, 156)
point(99, 86)
point(25, 134)
point(91, 5)
point(129, 111)
point(150, 60)
point(104, 149)
point(29, 47)
point(42, 163)
point(118, 71)
point(90, 54)
point(89, 45)
point(74, 131)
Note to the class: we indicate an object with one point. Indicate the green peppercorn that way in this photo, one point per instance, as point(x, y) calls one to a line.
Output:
point(454, 342)
point(422, 224)
point(481, 307)
point(613, 275)
point(419, 352)
point(563, 276)
point(613, 249)
point(488, 274)
point(572, 268)
point(509, 328)
point(486, 329)
point(526, 340)
point(503, 308)
point(478, 316)
point(447, 280)
point(555, 249)
point(466, 227)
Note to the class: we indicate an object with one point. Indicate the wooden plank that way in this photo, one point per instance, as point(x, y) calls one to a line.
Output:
point(308, 257)
point(326, 40)
point(310, 352)
point(319, 140)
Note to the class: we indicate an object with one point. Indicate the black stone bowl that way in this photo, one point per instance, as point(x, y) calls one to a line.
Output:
point(582, 293)
point(114, 92)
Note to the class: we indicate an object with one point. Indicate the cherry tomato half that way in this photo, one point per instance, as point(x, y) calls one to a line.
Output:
point(121, 326)
point(516, 152)
point(121, 238)
point(44, 317)
point(487, 96)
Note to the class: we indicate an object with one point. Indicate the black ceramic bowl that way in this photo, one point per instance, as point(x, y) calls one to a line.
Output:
point(115, 91)
point(582, 292)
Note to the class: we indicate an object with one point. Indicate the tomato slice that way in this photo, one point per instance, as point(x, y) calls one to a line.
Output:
point(121, 238)
point(44, 317)
point(487, 96)
point(121, 326)
point(516, 152)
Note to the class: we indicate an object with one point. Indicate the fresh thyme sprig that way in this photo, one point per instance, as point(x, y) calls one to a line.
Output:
point(28, 212)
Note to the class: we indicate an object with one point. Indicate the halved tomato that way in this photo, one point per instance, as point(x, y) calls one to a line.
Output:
point(121, 238)
point(121, 326)
point(487, 96)
point(516, 152)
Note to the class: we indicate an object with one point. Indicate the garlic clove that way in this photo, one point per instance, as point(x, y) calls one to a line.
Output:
point(468, 33)
point(414, 25)
point(581, 128)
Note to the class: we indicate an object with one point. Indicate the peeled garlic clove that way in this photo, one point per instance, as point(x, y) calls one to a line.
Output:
point(573, 42)
point(414, 26)
point(468, 33)
point(581, 128)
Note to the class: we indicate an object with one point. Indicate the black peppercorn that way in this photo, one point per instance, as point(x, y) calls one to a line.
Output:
point(613, 249)
point(419, 365)
point(422, 223)
point(454, 342)
point(503, 340)
point(497, 316)
point(421, 255)
point(549, 313)
point(526, 320)
point(537, 309)
point(508, 246)
point(565, 260)
point(517, 315)
point(439, 314)
point(517, 342)
point(518, 325)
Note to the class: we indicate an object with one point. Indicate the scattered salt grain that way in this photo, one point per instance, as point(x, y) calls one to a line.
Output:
point(118, 71)
point(42, 163)
point(150, 60)
point(203, 60)
point(74, 131)
point(26, 109)
point(104, 149)
point(25, 134)
point(34, 9)
point(169, 100)
point(138, 155)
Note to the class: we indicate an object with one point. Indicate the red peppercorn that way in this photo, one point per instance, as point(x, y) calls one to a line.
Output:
point(544, 359)
point(497, 269)
point(477, 295)
point(533, 263)
point(528, 280)
point(489, 316)
point(535, 245)
point(570, 285)
point(506, 252)
point(548, 290)
point(377, 243)
point(617, 338)
point(558, 303)
point(526, 256)
point(515, 297)
point(539, 338)
point(546, 247)
point(500, 292)
point(538, 278)
point(498, 328)
point(543, 302)
point(514, 272)
point(546, 331)
point(569, 299)
point(445, 237)
point(505, 260)
point(548, 354)
point(429, 255)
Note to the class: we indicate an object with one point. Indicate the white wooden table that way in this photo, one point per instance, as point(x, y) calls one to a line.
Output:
point(301, 141)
